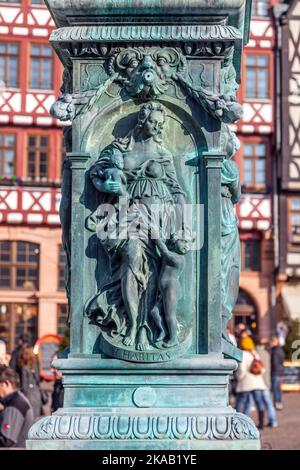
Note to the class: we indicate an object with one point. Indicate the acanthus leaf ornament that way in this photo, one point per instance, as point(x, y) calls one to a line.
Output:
point(223, 107)
point(145, 74)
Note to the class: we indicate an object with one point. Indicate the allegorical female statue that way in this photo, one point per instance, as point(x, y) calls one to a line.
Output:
point(230, 242)
point(146, 247)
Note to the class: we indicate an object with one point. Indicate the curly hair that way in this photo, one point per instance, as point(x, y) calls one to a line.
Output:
point(26, 358)
point(184, 234)
point(144, 114)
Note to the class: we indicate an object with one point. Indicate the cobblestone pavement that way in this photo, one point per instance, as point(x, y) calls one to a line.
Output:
point(287, 435)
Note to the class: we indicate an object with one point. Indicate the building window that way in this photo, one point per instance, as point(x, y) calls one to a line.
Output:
point(7, 155)
point(37, 2)
point(250, 255)
point(62, 317)
point(38, 157)
point(294, 220)
point(9, 64)
point(41, 67)
point(61, 268)
point(255, 158)
point(17, 319)
point(260, 7)
point(257, 76)
point(19, 265)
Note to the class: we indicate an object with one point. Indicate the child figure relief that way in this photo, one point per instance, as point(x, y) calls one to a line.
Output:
point(112, 178)
point(172, 254)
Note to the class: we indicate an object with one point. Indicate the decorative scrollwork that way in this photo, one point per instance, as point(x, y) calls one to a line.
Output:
point(148, 72)
point(128, 33)
point(221, 106)
point(64, 109)
point(153, 427)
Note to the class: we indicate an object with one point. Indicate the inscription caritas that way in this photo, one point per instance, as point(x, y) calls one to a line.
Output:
point(121, 352)
point(144, 356)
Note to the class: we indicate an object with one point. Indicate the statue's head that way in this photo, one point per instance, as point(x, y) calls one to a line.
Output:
point(117, 159)
point(230, 143)
point(181, 241)
point(151, 119)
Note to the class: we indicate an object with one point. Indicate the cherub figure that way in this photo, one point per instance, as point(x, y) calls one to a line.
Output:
point(106, 178)
point(63, 108)
point(169, 283)
point(111, 177)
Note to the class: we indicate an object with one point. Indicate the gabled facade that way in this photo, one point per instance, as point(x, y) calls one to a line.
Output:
point(288, 142)
point(32, 299)
point(256, 131)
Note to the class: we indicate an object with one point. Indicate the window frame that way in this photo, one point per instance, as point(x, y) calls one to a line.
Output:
point(13, 265)
point(41, 58)
point(13, 332)
point(37, 150)
point(7, 56)
point(61, 268)
point(294, 239)
point(16, 2)
point(244, 240)
point(59, 323)
point(255, 187)
point(267, 54)
point(2, 163)
point(254, 11)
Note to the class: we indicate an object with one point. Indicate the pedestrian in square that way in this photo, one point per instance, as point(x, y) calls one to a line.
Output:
point(16, 414)
point(277, 369)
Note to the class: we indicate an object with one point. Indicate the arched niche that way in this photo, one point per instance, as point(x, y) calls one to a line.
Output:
point(186, 141)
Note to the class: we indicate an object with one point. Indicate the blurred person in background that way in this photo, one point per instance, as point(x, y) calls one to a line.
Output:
point(277, 359)
point(29, 379)
point(58, 389)
point(238, 329)
point(251, 385)
point(58, 392)
point(4, 358)
point(264, 352)
point(16, 414)
point(231, 336)
point(22, 342)
point(241, 331)
point(282, 332)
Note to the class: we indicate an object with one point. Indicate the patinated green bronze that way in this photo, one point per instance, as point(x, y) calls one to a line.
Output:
point(136, 310)
point(149, 228)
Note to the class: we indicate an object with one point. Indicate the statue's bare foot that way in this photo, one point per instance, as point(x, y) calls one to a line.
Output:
point(142, 346)
point(170, 343)
point(130, 338)
point(160, 337)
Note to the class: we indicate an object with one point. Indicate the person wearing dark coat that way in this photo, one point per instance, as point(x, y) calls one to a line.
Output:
point(57, 395)
point(29, 380)
point(16, 414)
point(277, 369)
